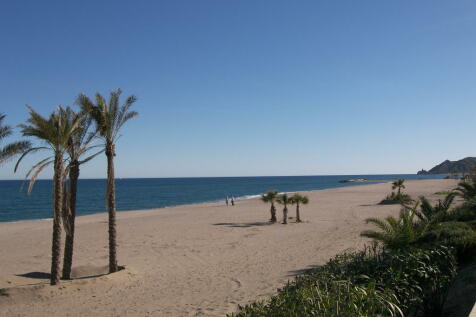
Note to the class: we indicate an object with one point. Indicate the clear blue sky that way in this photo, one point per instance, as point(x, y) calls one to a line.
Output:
point(235, 88)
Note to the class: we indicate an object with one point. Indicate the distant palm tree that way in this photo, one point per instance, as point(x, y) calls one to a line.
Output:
point(270, 197)
point(79, 144)
point(109, 118)
point(284, 200)
point(433, 214)
point(398, 184)
point(297, 199)
point(12, 149)
point(396, 233)
point(466, 190)
point(55, 132)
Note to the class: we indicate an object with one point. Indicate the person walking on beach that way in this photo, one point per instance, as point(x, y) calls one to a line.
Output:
point(232, 200)
point(226, 200)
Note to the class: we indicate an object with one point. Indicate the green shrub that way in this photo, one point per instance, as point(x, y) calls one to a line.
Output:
point(430, 214)
point(464, 213)
point(396, 233)
point(326, 298)
point(444, 193)
point(459, 235)
point(366, 283)
point(396, 198)
point(420, 279)
point(466, 190)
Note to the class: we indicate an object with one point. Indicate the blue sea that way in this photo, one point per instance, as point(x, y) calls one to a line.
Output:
point(147, 193)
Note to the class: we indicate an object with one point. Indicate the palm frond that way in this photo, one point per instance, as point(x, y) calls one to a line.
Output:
point(396, 233)
point(13, 149)
point(37, 165)
point(35, 175)
point(89, 158)
point(30, 150)
point(466, 190)
point(283, 199)
point(378, 236)
point(109, 116)
point(381, 224)
point(5, 131)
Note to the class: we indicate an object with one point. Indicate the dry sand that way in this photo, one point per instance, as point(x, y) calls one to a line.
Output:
point(195, 260)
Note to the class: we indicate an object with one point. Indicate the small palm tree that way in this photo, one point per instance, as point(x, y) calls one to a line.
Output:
point(398, 184)
point(396, 233)
point(466, 190)
point(270, 197)
point(297, 199)
point(284, 200)
point(434, 214)
point(55, 132)
point(109, 117)
point(12, 149)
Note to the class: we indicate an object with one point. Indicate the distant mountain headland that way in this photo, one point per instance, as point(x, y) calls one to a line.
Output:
point(447, 167)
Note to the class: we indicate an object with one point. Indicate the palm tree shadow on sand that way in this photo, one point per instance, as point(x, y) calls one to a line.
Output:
point(78, 273)
point(36, 275)
point(243, 224)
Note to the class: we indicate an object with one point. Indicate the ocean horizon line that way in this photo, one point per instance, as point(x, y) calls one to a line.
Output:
point(186, 177)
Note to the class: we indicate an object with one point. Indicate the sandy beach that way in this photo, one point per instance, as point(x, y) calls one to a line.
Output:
point(193, 260)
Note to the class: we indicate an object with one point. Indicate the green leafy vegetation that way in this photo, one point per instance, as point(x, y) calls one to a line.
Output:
point(270, 197)
point(372, 282)
point(394, 232)
point(299, 200)
point(443, 193)
point(397, 197)
point(12, 149)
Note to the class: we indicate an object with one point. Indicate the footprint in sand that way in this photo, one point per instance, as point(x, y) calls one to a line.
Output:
point(236, 284)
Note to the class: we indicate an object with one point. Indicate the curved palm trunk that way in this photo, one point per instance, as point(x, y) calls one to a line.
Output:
point(298, 217)
point(69, 240)
point(58, 208)
point(285, 214)
point(273, 213)
point(111, 201)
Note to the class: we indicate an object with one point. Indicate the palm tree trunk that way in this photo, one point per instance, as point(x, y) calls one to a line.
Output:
point(69, 240)
point(285, 215)
point(298, 217)
point(111, 201)
point(58, 208)
point(273, 213)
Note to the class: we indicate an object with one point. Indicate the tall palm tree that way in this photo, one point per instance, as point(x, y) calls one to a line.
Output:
point(79, 144)
point(284, 200)
point(398, 184)
point(10, 150)
point(396, 233)
point(55, 132)
point(297, 199)
point(270, 197)
point(109, 117)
